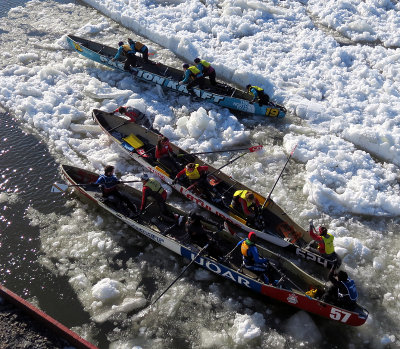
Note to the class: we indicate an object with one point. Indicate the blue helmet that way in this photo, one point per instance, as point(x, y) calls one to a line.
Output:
point(185, 65)
point(120, 43)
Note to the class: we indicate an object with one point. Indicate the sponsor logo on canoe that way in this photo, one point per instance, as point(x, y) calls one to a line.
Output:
point(77, 47)
point(203, 204)
point(292, 298)
point(244, 106)
point(162, 81)
point(312, 257)
point(221, 270)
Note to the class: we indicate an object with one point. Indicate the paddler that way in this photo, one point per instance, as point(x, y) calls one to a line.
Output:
point(343, 291)
point(152, 188)
point(126, 50)
point(258, 94)
point(165, 154)
point(206, 69)
point(193, 76)
point(137, 46)
point(251, 258)
point(192, 172)
point(109, 187)
point(245, 202)
point(324, 240)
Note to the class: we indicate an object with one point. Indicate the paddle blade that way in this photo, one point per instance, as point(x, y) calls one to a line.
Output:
point(228, 228)
point(256, 148)
point(59, 188)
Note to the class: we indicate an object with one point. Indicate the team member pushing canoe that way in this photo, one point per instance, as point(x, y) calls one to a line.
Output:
point(206, 69)
point(126, 50)
point(137, 46)
point(258, 94)
point(193, 76)
point(134, 115)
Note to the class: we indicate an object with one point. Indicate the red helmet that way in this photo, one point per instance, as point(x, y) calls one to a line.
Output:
point(252, 235)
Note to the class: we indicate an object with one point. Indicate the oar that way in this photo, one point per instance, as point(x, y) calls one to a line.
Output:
point(220, 168)
point(276, 182)
point(251, 150)
point(285, 277)
point(229, 229)
point(61, 188)
point(182, 272)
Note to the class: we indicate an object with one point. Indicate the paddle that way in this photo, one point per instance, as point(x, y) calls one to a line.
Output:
point(61, 188)
point(182, 272)
point(251, 150)
point(259, 147)
point(285, 277)
point(229, 229)
point(276, 182)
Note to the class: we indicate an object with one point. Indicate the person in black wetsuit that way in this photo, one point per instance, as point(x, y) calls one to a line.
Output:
point(201, 236)
point(343, 291)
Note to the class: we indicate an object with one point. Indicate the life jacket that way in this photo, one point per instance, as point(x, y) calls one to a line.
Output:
point(195, 174)
point(244, 248)
point(258, 89)
point(154, 186)
point(139, 46)
point(194, 72)
point(127, 49)
point(207, 67)
point(242, 194)
point(328, 242)
point(351, 290)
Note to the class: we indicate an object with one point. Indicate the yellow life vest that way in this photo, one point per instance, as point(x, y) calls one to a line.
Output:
point(245, 247)
point(205, 63)
point(242, 195)
point(259, 89)
point(328, 241)
point(194, 71)
point(126, 48)
point(195, 174)
point(154, 186)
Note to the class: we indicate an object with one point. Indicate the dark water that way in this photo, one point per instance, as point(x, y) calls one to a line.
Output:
point(27, 170)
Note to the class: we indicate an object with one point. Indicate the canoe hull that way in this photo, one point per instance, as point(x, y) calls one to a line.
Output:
point(100, 117)
point(290, 297)
point(164, 80)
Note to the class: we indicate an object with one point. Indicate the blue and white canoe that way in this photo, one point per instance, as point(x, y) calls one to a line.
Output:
point(291, 282)
point(168, 77)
